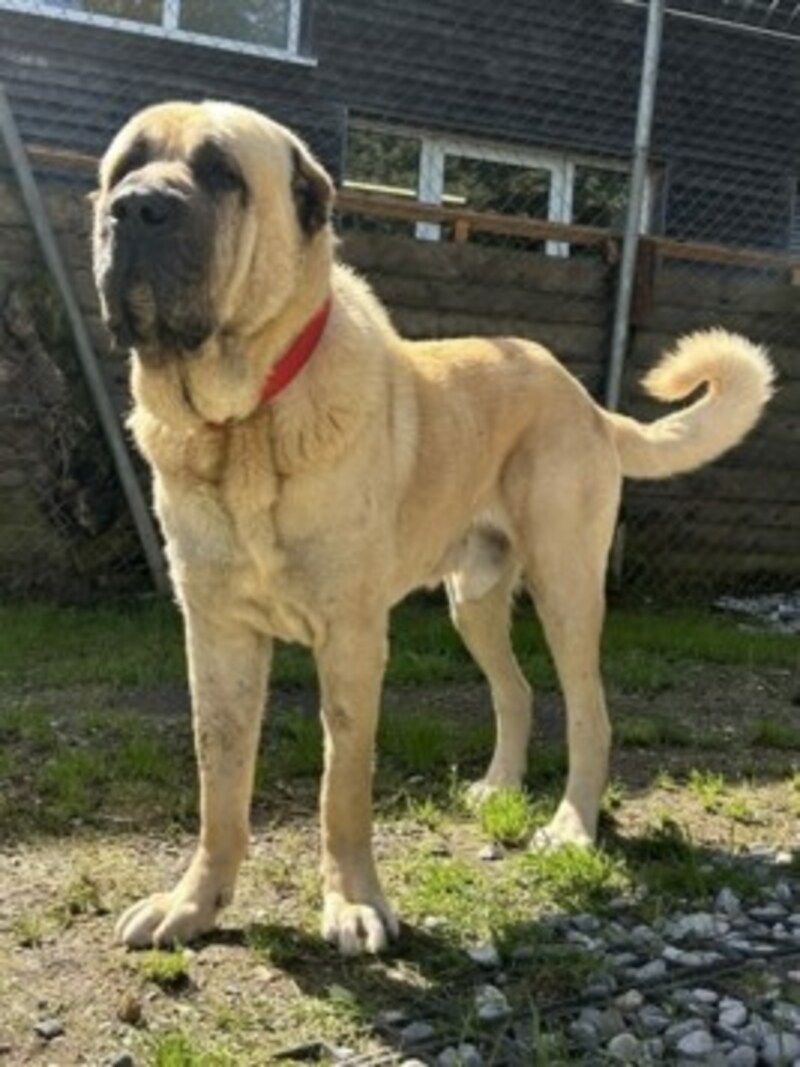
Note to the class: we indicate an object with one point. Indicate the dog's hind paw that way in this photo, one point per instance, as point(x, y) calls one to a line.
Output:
point(566, 828)
point(355, 927)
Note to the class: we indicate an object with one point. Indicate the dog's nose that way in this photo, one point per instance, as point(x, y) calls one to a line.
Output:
point(143, 208)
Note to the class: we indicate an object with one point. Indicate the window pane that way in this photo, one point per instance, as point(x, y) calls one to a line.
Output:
point(600, 197)
point(256, 21)
point(504, 187)
point(388, 160)
point(134, 10)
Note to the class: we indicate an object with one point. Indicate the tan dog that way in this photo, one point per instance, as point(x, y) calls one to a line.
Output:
point(381, 466)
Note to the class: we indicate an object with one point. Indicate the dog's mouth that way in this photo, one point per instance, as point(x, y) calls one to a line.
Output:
point(158, 328)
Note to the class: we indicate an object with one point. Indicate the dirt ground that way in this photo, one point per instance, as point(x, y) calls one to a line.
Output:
point(265, 983)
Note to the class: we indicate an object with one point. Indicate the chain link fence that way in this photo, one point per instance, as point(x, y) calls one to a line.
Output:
point(483, 156)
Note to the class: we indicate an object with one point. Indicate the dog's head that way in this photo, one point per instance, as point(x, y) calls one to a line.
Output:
point(204, 222)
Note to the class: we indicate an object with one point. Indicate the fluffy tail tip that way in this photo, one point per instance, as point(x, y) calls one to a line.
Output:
point(714, 357)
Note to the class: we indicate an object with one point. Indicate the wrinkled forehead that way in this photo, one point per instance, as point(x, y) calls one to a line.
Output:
point(183, 132)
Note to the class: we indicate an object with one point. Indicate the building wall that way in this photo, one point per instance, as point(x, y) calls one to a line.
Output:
point(549, 73)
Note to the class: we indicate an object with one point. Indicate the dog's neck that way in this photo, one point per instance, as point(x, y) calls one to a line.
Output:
point(224, 382)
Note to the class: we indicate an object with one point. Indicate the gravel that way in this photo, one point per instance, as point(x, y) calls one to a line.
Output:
point(670, 991)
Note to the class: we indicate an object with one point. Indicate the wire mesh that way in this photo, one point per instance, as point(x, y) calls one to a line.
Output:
point(482, 154)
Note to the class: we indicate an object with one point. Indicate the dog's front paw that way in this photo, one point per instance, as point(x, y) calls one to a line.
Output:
point(479, 792)
point(178, 917)
point(565, 828)
point(356, 927)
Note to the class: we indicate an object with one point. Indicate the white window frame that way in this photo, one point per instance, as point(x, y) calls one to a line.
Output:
point(434, 149)
point(169, 28)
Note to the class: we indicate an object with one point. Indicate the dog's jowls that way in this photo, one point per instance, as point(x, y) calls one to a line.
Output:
point(384, 465)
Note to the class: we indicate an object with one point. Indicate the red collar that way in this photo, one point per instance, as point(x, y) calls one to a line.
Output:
point(297, 355)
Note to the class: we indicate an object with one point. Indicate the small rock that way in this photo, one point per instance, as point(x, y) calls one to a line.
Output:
point(484, 955)
point(433, 922)
point(465, 1055)
point(783, 858)
point(129, 1009)
point(413, 1063)
point(697, 1045)
point(652, 1019)
point(742, 1056)
point(727, 902)
point(781, 1049)
point(733, 1016)
point(49, 1029)
point(610, 1023)
point(523, 954)
point(701, 924)
point(415, 1033)
point(490, 853)
point(769, 913)
point(630, 1000)
point(651, 972)
point(783, 892)
point(587, 924)
point(392, 1017)
point(583, 1034)
point(793, 976)
point(704, 996)
point(124, 1059)
point(601, 985)
point(491, 1004)
point(676, 1033)
point(625, 1048)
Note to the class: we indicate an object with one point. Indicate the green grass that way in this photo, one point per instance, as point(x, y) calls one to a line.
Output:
point(140, 643)
point(509, 817)
point(652, 732)
point(178, 1049)
point(709, 788)
point(167, 970)
point(772, 733)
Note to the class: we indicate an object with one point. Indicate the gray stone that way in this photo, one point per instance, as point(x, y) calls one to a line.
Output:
point(787, 1014)
point(644, 936)
point(780, 1049)
point(679, 1030)
point(625, 1048)
point(484, 955)
point(652, 971)
point(490, 853)
point(768, 913)
point(392, 1017)
point(696, 1045)
point(587, 924)
point(491, 1004)
point(464, 1056)
point(742, 1056)
point(415, 1034)
point(727, 902)
point(793, 976)
point(413, 1063)
point(602, 985)
point(49, 1028)
point(652, 1019)
point(124, 1059)
point(704, 996)
point(733, 1016)
point(700, 924)
point(653, 1049)
point(783, 892)
point(630, 1000)
point(583, 1034)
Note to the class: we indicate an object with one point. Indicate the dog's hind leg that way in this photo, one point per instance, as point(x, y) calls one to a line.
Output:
point(483, 619)
point(565, 538)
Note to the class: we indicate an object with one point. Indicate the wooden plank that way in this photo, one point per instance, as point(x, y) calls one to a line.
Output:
point(374, 253)
point(487, 299)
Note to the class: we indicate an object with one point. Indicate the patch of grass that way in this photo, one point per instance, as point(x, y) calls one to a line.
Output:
point(426, 812)
point(414, 742)
point(168, 970)
point(30, 928)
point(651, 732)
point(178, 1049)
point(508, 817)
point(740, 808)
point(83, 896)
point(709, 788)
point(575, 878)
point(774, 734)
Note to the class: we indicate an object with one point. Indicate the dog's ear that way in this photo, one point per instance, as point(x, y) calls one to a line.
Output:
point(312, 190)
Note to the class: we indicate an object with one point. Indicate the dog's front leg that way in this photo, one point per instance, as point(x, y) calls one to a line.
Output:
point(351, 661)
point(228, 666)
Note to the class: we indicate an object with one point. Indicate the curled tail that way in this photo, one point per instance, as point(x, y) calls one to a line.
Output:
point(738, 376)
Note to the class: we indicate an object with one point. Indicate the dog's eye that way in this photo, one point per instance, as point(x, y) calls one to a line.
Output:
point(136, 156)
point(216, 171)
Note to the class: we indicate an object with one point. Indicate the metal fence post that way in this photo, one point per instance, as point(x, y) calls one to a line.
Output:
point(644, 125)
